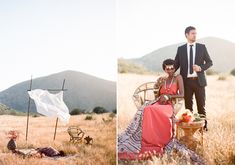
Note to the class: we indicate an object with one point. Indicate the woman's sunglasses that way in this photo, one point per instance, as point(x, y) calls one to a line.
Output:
point(171, 67)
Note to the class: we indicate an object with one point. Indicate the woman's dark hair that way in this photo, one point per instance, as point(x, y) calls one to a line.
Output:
point(188, 29)
point(168, 62)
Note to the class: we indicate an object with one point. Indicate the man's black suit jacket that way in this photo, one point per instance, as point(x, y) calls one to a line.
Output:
point(202, 59)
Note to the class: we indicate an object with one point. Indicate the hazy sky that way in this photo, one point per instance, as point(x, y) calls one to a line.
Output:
point(48, 36)
point(146, 25)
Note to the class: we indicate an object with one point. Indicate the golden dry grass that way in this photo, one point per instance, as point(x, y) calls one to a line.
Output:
point(41, 131)
point(219, 141)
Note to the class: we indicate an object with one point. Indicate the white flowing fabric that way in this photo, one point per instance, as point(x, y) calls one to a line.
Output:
point(51, 105)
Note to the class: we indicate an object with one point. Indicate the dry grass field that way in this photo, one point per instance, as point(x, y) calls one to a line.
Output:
point(41, 131)
point(219, 141)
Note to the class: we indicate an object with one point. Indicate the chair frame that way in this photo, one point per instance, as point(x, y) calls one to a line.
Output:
point(76, 134)
point(149, 86)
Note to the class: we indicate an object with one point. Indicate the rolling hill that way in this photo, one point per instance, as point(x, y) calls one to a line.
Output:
point(5, 110)
point(83, 91)
point(221, 51)
point(125, 66)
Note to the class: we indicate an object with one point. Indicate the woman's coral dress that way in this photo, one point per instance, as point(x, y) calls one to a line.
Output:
point(155, 129)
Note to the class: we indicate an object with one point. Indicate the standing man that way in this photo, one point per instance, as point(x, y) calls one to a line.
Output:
point(193, 60)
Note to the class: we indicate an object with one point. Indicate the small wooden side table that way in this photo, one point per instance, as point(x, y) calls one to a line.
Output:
point(189, 130)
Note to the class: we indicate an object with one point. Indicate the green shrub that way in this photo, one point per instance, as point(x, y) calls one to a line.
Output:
point(14, 113)
point(127, 66)
point(211, 72)
point(112, 115)
point(233, 72)
point(88, 117)
point(222, 77)
point(99, 110)
point(115, 111)
point(77, 111)
point(35, 115)
point(5, 110)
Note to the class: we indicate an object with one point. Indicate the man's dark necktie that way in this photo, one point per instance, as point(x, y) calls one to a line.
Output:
point(191, 59)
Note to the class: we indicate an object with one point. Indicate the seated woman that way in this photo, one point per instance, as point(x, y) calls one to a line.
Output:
point(152, 129)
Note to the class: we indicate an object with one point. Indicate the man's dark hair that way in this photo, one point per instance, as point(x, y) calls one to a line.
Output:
point(188, 29)
point(168, 62)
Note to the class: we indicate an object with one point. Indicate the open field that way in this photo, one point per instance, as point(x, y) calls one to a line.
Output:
point(41, 132)
point(219, 141)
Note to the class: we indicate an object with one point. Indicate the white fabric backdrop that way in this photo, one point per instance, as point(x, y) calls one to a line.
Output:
point(51, 105)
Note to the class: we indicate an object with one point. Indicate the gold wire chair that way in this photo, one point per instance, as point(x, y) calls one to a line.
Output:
point(148, 92)
point(76, 134)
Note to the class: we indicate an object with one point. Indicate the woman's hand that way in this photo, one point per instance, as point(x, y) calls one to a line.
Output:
point(163, 99)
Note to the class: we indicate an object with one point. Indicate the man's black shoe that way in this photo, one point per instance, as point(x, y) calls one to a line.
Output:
point(205, 126)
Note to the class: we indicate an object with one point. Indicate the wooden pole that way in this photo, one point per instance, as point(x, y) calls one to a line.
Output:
point(55, 127)
point(27, 126)
point(57, 117)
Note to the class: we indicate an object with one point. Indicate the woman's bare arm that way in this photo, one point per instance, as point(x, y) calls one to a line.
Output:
point(159, 84)
point(180, 84)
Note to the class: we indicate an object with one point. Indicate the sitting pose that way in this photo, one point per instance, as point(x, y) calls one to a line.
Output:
point(152, 129)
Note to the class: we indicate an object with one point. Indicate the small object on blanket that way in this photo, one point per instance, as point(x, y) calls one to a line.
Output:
point(88, 140)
